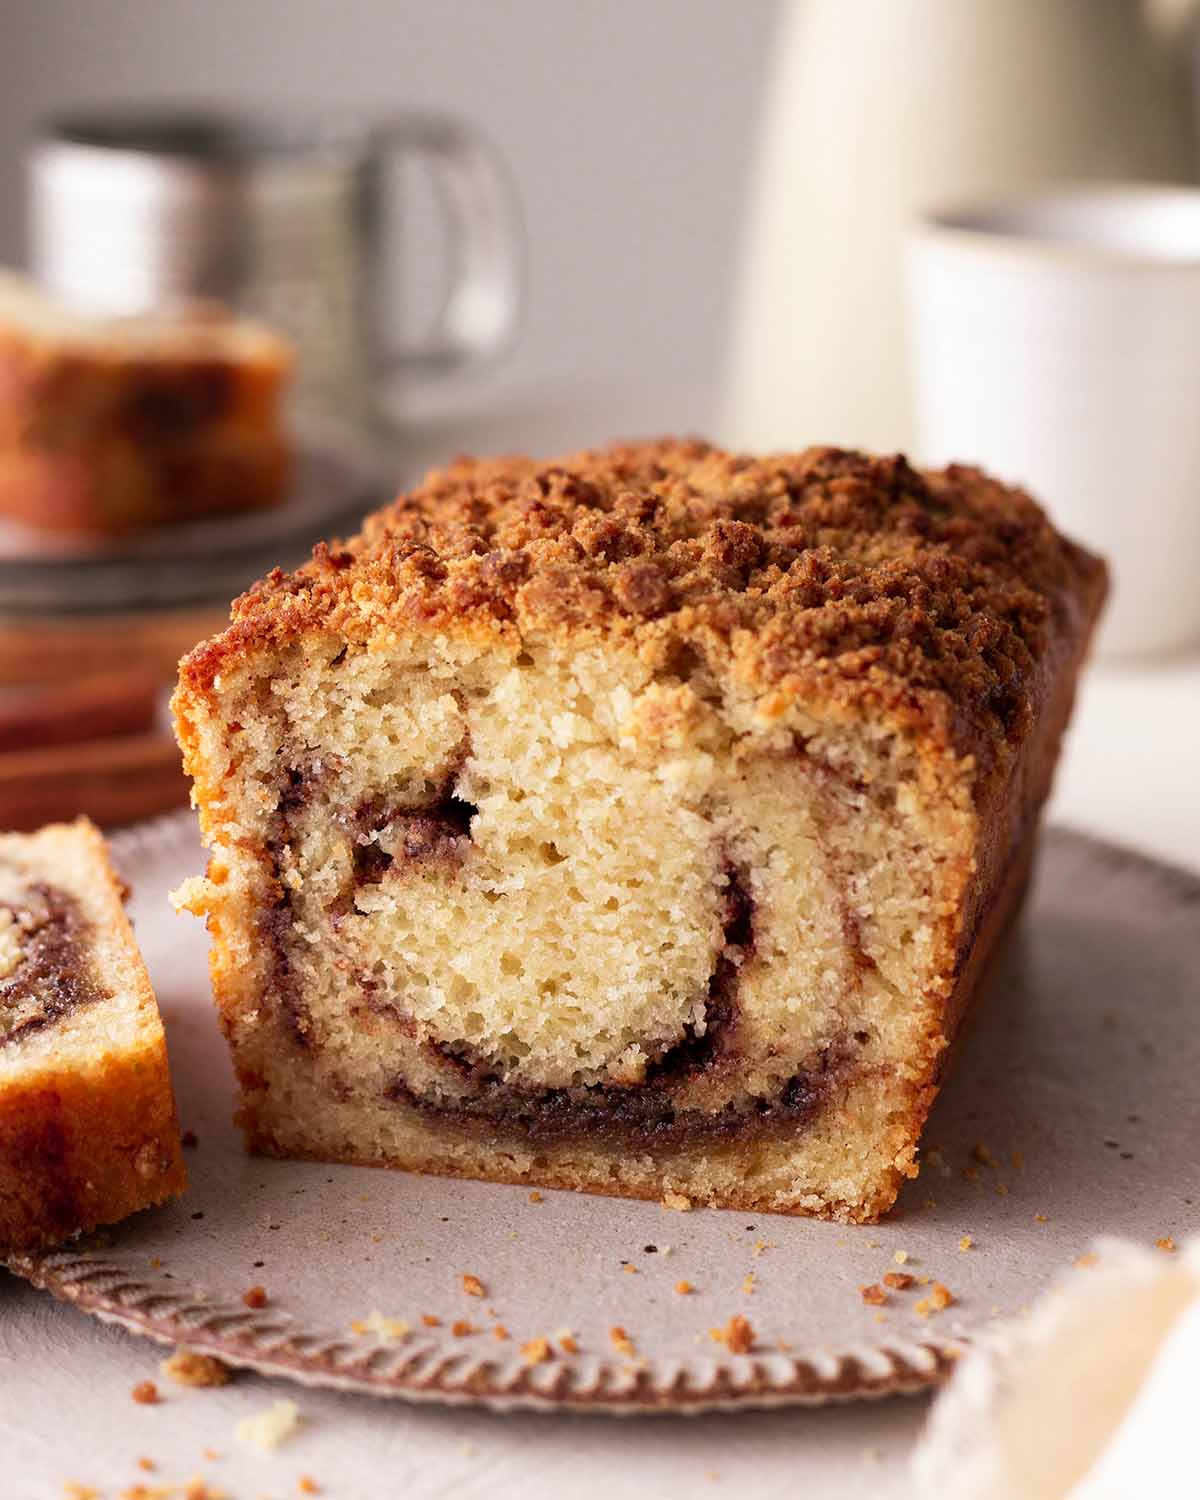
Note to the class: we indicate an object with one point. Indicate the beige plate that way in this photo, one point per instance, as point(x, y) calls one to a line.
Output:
point(1074, 1110)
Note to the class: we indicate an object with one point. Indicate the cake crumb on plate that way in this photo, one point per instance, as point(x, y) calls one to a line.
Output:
point(269, 1428)
point(737, 1335)
point(187, 1367)
point(621, 1341)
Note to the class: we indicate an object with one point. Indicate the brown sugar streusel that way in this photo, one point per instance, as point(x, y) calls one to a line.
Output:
point(472, 1285)
point(255, 1296)
point(684, 1288)
point(145, 1393)
point(899, 1281)
point(873, 1295)
point(536, 1351)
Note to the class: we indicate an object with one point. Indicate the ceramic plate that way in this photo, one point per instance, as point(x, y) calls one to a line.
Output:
point(1073, 1111)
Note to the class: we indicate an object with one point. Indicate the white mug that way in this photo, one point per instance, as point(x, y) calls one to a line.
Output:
point(1056, 341)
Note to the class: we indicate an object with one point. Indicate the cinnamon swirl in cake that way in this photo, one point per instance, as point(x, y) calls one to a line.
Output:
point(87, 1118)
point(641, 822)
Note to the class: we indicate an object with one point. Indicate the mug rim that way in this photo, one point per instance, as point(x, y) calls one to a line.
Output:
point(976, 225)
point(204, 135)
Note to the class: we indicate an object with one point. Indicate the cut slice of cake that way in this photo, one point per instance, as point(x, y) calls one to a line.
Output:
point(109, 425)
point(640, 823)
point(88, 1131)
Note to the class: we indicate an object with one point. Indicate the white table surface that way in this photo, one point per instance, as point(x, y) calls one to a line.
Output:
point(1129, 774)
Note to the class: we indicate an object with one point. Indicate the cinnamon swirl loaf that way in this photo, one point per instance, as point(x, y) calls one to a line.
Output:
point(638, 823)
point(87, 1117)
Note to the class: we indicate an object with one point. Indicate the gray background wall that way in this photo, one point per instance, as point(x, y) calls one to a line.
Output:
point(628, 123)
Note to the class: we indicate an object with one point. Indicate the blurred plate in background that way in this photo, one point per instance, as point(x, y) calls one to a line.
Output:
point(208, 560)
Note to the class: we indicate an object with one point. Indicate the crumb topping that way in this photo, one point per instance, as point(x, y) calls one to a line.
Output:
point(934, 593)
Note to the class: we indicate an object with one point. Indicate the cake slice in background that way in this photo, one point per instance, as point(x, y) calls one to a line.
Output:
point(642, 822)
point(111, 425)
point(88, 1131)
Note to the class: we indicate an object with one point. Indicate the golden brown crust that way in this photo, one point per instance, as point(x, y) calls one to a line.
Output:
point(86, 1143)
point(931, 596)
point(95, 440)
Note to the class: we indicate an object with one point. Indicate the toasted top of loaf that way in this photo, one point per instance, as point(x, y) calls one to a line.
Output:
point(933, 599)
point(33, 317)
